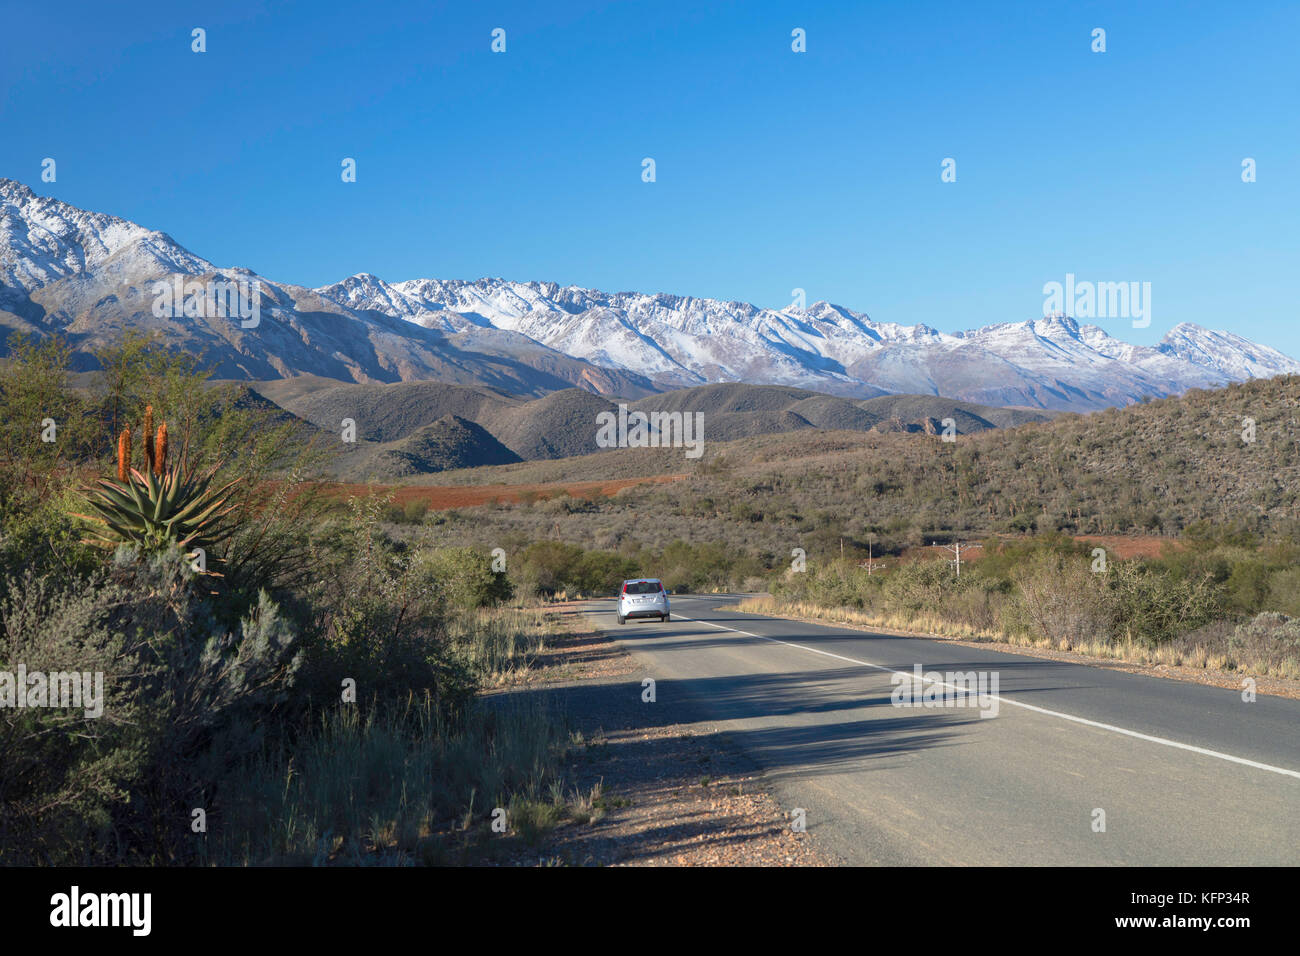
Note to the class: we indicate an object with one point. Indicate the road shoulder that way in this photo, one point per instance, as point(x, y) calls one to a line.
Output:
point(652, 791)
point(1272, 686)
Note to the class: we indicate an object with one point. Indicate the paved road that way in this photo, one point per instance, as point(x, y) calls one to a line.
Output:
point(1186, 774)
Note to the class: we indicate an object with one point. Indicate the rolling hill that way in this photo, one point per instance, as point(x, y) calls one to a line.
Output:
point(449, 443)
point(563, 424)
point(1152, 469)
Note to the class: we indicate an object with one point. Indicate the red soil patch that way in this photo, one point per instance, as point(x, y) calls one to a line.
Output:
point(439, 497)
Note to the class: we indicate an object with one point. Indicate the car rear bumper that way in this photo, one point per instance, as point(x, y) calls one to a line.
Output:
point(654, 610)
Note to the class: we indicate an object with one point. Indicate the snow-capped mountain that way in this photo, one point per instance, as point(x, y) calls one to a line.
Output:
point(43, 240)
point(1234, 357)
point(89, 276)
point(680, 341)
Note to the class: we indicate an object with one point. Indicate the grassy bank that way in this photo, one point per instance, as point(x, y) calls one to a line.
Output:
point(1266, 646)
point(405, 785)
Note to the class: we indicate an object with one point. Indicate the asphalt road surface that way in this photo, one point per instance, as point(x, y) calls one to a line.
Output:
point(1185, 774)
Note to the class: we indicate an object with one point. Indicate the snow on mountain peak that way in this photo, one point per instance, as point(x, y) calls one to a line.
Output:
point(671, 340)
point(43, 240)
point(1234, 357)
point(683, 340)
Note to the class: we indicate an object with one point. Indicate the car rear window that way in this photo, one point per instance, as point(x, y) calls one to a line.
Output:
point(641, 587)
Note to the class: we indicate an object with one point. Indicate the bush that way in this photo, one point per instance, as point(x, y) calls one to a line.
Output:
point(184, 702)
point(1153, 607)
point(1059, 598)
point(381, 623)
point(1277, 636)
point(686, 567)
point(547, 567)
point(1284, 591)
point(462, 577)
point(412, 512)
point(601, 572)
point(923, 586)
point(833, 586)
point(388, 653)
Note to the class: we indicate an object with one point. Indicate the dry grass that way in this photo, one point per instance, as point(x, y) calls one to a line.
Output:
point(501, 643)
point(404, 786)
point(1220, 647)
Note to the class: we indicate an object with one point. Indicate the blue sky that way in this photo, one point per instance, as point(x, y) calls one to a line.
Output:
point(775, 170)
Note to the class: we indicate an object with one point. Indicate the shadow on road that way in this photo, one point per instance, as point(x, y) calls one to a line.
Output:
point(768, 700)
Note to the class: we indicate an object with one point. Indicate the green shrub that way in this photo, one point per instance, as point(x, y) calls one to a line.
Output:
point(923, 586)
point(547, 567)
point(1153, 607)
point(379, 617)
point(1247, 584)
point(601, 572)
point(1284, 592)
point(184, 702)
point(386, 634)
point(412, 512)
point(833, 585)
point(462, 577)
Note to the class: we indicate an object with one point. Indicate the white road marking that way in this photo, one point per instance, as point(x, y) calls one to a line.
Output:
point(1163, 741)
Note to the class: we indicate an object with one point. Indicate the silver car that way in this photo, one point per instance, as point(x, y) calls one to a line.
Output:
point(642, 597)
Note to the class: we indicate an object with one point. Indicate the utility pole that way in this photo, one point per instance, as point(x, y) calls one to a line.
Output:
point(869, 564)
point(956, 550)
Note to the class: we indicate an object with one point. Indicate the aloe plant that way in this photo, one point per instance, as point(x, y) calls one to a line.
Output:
point(163, 505)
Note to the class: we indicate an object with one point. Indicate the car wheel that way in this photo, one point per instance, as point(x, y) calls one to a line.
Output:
point(622, 619)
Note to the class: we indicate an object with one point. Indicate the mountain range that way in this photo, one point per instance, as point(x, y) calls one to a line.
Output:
point(90, 276)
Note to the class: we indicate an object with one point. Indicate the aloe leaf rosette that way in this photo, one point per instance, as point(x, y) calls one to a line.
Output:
point(157, 511)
